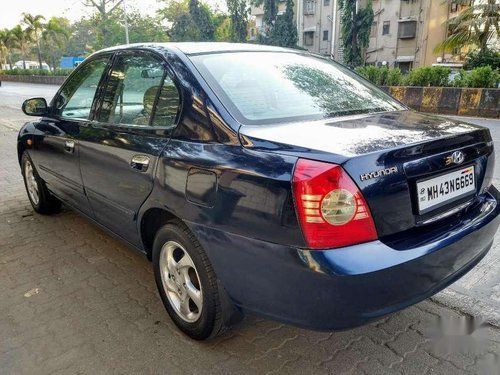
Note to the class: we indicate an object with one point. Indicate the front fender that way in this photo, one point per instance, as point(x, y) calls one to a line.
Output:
point(25, 139)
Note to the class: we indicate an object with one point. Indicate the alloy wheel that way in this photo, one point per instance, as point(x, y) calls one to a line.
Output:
point(181, 281)
point(31, 183)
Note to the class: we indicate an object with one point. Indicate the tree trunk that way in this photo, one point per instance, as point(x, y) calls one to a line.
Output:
point(23, 52)
point(53, 58)
point(104, 29)
point(39, 53)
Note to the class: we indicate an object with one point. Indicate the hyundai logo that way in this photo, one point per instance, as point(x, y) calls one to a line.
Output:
point(457, 157)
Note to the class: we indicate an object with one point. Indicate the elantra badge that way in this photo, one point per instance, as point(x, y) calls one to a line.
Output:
point(457, 157)
point(379, 173)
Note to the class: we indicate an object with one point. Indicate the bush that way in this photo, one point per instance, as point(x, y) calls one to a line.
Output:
point(36, 72)
point(480, 77)
point(476, 59)
point(381, 76)
point(62, 71)
point(428, 76)
point(394, 77)
point(26, 72)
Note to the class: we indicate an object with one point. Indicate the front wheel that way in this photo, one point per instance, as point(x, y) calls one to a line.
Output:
point(40, 197)
point(186, 282)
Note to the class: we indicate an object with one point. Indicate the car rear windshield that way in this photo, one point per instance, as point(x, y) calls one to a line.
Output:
point(271, 87)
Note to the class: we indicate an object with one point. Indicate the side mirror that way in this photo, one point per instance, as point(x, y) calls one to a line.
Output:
point(35, 107)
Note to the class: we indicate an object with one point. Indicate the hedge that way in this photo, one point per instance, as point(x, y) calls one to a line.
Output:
point(432, 76)
point(36, 72)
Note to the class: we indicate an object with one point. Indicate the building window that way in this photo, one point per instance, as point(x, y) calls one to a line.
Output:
point(309, 7)
point(326, 3)
point(309, 38)
point(325, 34)
point(373, 32)
point(407, 29)
point(405, 66)
point(386, 28)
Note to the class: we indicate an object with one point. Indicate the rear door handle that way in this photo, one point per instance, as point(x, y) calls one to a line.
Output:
point(69, 146)
point(140, 162)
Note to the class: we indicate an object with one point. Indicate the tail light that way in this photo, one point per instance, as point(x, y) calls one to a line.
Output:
point(331, 210)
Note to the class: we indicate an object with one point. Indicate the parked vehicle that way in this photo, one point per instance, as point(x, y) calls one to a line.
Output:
point(30, 65)
point(265, 180)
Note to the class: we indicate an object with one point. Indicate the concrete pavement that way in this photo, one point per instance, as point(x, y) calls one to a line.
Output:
point(74, 300)
point(478, 292)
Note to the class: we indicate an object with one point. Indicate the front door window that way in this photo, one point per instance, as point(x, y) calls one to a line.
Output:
point(77, 95)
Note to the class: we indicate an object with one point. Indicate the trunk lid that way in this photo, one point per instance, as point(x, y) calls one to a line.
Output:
point(386, 155)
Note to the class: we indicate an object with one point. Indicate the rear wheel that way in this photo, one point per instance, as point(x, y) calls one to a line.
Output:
point(186, 282)
point(40, 197)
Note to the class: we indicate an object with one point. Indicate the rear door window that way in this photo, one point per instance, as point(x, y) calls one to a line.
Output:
point(139, 93)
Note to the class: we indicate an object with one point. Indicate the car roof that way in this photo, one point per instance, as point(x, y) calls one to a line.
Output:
point(213, 47)
point(195, 48)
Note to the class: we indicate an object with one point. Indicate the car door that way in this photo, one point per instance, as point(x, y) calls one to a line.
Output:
point(119, 150)
point(56, 149)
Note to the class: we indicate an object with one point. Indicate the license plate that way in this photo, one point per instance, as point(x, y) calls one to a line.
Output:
point(443, 189)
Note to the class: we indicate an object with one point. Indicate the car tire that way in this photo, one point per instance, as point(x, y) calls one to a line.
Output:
point(40, 197)
point(180, 263)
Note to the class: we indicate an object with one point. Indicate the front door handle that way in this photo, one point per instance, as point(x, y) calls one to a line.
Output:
point(140, 162)
point(69, 146)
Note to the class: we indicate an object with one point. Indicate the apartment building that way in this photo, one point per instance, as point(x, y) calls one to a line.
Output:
point(315, 20)
point(404, 33)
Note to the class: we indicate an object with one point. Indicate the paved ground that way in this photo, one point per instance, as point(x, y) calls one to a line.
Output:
point(478, 293)
point(74, 300)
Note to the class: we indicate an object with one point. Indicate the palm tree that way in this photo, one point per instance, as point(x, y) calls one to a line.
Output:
point(20, 39)
point(34, 28)
point(477, 24)
point(55, 35)
point(4, 49)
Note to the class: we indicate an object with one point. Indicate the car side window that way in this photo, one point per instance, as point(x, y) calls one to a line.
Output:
point(77, 95)
point(168, 104)
point(135, 95)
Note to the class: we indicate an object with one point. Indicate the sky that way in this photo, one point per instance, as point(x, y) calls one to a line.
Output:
point(11, 10)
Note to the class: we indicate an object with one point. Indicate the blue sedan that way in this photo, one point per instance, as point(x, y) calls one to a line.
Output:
point(265, 180)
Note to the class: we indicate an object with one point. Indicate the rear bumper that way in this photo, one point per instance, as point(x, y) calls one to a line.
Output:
point(343, 288)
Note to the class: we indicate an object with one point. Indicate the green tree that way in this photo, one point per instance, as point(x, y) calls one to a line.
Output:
point(356, 24)
point(280, 30)
point(4, 47)
point(239, 11)
point(270, 10)
point(203, 19)
point(143, 28)
point(477, 24)
point(190, 20)
point(182, 26)
point(20, 39)
point(83, 39)
point(105, 9)
point(476, 59)
point(224, 32)
point(55, 37)
point(284, 32)
point(34, 27)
